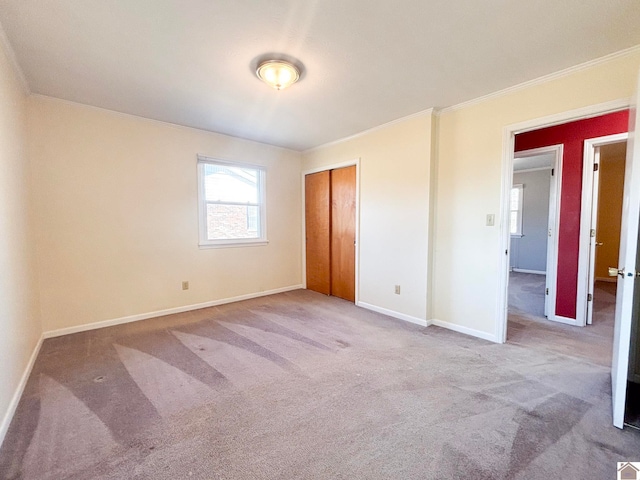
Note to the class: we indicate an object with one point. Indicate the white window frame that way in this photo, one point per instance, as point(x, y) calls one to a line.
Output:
point(518, 232)
point(204, 242)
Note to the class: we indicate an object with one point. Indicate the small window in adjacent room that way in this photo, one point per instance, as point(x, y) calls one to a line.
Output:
point(231, 199)
point(515, 217)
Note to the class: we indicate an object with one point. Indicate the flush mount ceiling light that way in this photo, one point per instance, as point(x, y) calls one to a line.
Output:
point(278, 74)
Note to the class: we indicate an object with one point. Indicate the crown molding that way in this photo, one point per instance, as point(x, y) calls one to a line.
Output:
point(546, 78)
point(428, 111)
point(13, 61)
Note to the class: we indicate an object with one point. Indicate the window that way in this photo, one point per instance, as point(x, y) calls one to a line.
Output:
point(515, 217)
point(231, 203)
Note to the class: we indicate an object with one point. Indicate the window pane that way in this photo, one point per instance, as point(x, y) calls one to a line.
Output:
point(515, 198)
point(252, 219)
point(514, 223)
point(225, 222)
point(230, 184)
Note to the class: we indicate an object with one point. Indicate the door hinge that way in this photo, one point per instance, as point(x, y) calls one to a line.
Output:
point(546, 292)
point(589, 297)
point(595, 167)
point(553, 171)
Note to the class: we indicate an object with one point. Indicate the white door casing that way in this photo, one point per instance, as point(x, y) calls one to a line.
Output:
point(555, 190)
point(595, 198)
point(588, 223)
point(508, 142)
point(333, 166)
point(553, 223)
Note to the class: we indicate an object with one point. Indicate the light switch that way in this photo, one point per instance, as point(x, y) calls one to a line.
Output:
point(491, 219)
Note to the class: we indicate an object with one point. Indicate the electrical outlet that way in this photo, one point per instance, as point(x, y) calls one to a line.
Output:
point(397, 289)
point(185, 285)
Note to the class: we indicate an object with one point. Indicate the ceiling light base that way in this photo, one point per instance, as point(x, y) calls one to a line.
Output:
point(278, 74)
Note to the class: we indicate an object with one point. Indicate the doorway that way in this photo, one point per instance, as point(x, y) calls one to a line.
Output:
point(532, 280)
point(603, 184)
point(533, 231)
point(573, 133)
point(608, 157)
point(600, 226)
point(330, 223)
point(588, 122)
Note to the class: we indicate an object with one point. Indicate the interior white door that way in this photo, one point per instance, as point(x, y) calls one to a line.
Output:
point(626, 271)
point(595, 192)
point(552, 236)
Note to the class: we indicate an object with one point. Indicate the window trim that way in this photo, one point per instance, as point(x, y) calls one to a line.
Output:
point(518, 233)
point(203, 241)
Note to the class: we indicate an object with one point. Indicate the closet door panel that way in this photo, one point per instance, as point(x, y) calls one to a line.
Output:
point(318, 231)
point(343, 232)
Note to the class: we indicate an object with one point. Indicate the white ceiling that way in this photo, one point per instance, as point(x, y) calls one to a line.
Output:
point(366, 62)
point(535, 161)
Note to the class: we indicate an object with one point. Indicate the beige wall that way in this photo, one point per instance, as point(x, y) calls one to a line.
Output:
point(612, 162)
point(468, 253)
point(116, 216)
point(20, 327)
point(395, 166)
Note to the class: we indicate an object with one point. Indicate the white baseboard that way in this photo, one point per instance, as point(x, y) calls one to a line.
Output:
point(160, 313)
point(13, 405)
point(466, 330)
point(524, 270)
point(394, 314)
point(606, 279)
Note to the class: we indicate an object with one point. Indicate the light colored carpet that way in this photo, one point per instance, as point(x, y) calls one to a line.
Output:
point(528, 327)
point(300, 385)
point(526, 293)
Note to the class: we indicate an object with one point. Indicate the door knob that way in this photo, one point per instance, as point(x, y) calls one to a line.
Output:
point(614, 271)
point(599, 244)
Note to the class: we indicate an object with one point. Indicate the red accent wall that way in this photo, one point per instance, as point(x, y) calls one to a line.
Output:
point(572, 135)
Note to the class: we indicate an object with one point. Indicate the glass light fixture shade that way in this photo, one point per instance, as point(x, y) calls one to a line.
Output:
point(278, 74)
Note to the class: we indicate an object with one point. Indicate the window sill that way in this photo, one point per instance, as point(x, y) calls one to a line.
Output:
point(235, 244)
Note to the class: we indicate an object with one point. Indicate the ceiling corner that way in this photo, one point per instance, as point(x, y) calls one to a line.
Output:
point(11, 56)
